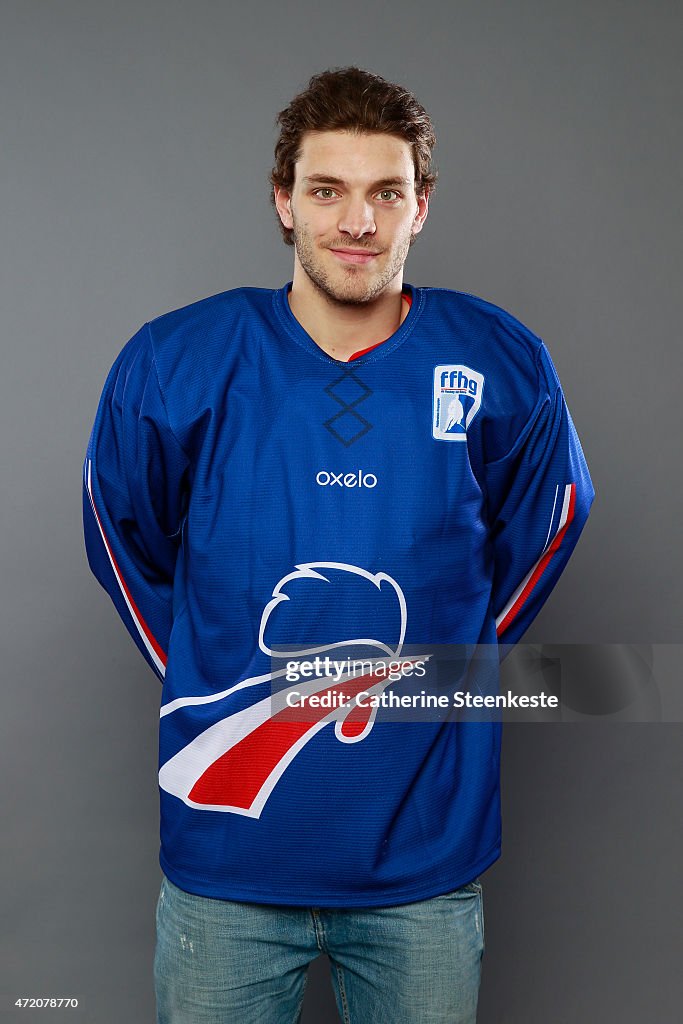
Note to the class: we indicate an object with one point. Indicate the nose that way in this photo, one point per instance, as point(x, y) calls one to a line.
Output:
point(357, 218)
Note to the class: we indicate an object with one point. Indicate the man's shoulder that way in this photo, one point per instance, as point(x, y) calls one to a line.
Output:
point(199, 343)
point(209, 331)
point(488, 338)
point(496, 324)
point(212, 310)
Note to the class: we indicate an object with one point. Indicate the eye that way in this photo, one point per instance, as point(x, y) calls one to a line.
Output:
point(390, 191)
point(323, 190)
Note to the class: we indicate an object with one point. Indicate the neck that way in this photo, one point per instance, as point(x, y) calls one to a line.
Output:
point(340, 329)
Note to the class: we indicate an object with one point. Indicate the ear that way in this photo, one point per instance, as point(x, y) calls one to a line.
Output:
point(422, 211)
point(283, 204)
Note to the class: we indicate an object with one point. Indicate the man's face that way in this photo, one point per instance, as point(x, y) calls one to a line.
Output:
point(352, 192)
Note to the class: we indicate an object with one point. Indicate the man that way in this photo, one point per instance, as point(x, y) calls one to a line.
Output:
point(345, 467)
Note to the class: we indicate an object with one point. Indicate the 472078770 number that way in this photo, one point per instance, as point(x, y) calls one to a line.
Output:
point(36, 1002)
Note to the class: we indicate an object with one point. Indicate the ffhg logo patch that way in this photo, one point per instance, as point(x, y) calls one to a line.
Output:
point(457, 399)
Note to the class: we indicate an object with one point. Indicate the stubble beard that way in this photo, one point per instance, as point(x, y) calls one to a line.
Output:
point(350, 287)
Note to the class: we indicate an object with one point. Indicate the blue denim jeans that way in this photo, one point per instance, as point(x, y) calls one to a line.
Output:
point(222, 962)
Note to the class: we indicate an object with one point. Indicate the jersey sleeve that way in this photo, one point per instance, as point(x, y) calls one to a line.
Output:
point(134, 496)
point(539, 497)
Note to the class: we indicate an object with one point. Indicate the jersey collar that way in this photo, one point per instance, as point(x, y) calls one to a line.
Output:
point(364, 356)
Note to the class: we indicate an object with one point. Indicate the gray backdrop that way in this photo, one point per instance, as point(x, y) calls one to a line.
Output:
point(136, 143)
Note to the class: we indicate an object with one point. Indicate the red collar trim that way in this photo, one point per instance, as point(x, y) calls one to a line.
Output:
point(364, 351)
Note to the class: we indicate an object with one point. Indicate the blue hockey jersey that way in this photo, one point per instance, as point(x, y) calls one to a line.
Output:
point(245, 493)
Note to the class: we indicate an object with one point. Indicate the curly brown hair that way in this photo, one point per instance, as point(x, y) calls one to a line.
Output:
point(355, 100)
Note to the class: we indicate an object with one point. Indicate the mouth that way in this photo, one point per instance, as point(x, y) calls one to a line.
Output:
point(354, 255)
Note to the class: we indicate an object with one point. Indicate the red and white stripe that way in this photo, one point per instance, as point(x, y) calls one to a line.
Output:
point(525, 588)
point(154, 650)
